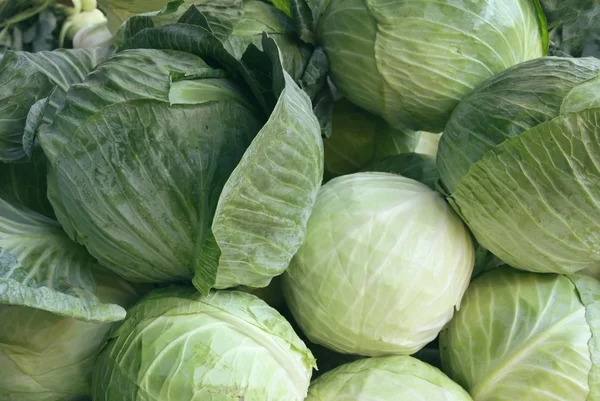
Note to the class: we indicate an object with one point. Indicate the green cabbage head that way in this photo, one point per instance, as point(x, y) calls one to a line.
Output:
point(526, 336)
point(519, 160)
point(47, 357)
point(177, 344)
point(388, 378)
point(175, 159)
point(411, 62)
point(56, 306)
point(385, 263)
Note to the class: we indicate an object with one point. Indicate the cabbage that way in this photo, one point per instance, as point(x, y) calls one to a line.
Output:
point(56, 306)
point(518, 159)
point(181, 162)
point(526, 336)
point(411, 62)
point(179, 345)
point(387, 378)
point(384, 265)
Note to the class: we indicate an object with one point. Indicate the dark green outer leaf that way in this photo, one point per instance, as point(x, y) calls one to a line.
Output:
point(416, 166)
point(314, 78)
point(305, 14)
point(574, 26)
point(218, 18)
point(26, 78)
point(159, 198)
point(141, 195)
point(35, 118)
point(26, 183)
point(237, 28)
point(195, 40)
point(14, 11)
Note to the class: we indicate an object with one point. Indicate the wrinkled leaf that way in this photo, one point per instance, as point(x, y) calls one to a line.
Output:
point(43, 269)
point(512, 192)
point(260, 220)
point(25, 79)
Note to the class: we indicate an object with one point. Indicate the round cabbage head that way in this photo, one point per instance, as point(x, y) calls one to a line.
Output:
point(385, 263)
point(526, 336)
point(379, 63)
point(519, 160)
point(177, 344)
point(388, 378)
point(168, 168)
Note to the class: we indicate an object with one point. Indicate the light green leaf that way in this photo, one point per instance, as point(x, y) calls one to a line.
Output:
point(119, 11)
point(45, 270)
point(523, 336)
point(386, 378)
point(283, 5)
point(379, 62)
point(394, 141)
point(512, 192)
point(428, 143)
point(581, 97)
point(589, 293)
point(260, 220)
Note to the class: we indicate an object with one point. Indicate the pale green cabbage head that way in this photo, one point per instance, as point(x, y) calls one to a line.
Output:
point(389, 378)
point(526, 336)
point(385, 263)
point(177, 344)
point(411, 62)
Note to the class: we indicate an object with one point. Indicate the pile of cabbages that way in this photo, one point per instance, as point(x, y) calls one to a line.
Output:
point(287, 200)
